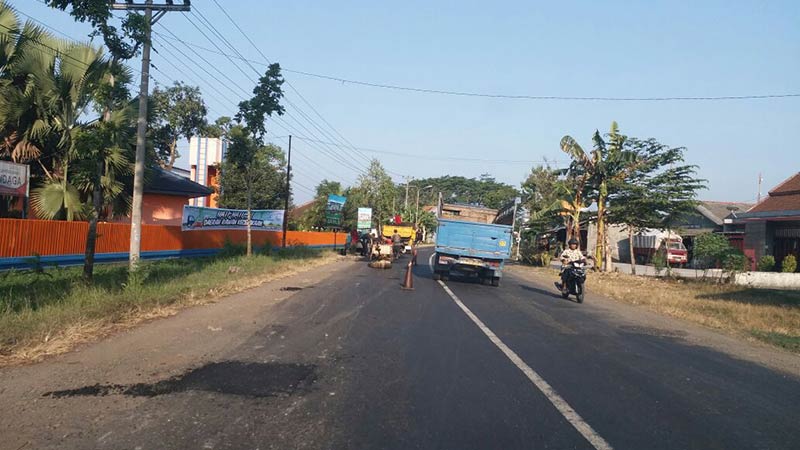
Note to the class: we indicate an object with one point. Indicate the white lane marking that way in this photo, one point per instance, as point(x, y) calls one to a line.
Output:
point(561, 405)
point(430, 262)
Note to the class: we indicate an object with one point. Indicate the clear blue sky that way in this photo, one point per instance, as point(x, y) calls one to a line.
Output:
point(588, 48)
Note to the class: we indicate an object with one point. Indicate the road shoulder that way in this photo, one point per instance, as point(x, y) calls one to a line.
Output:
point(732, 344)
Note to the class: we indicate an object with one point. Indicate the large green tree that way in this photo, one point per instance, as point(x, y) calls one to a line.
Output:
point(122, 40)
point(659, 192)
point(178, 112)
point(376, 190)
point(314, 218)
point(268, 177)
point(248, 139)
point(484, 190)
point(541, 196)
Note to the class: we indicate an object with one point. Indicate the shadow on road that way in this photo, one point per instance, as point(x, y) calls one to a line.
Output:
point(544, 292)
point(229, 377)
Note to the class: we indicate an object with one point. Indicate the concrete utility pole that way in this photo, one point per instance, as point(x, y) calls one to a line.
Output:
point(288, 190)
point(405, 205)
point(141, 125)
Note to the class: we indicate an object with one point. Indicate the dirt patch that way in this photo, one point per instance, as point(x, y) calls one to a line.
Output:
point(246, 379)
point(650, 331)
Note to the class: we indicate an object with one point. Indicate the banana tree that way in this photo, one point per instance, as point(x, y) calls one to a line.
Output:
point(606, 163)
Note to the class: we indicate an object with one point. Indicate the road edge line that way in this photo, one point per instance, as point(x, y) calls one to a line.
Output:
point(544, 387)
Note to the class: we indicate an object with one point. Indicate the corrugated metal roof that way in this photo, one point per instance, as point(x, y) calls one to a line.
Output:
point(160, 181)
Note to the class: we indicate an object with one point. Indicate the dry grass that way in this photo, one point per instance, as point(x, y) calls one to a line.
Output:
point(49, 314)
point(771, 316)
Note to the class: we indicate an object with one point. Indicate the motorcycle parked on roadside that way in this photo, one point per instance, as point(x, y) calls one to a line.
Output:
point(573, 280)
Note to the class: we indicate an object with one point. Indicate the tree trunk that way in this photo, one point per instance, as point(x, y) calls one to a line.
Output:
point(607, 252)
point(97, 200)
point(576, 227)
point(249, 215)
point(173, 155)
point(91, 234)
point(599, 248)
point(630, 249)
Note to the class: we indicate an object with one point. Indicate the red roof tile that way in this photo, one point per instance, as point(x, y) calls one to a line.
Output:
point(790, 186)
point(783, 202)
point(783, 197)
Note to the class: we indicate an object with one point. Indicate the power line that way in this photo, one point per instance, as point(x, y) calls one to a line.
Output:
point(299, 110)
point(342, 80)
point(213, 29)
point(194, 72)
point(440, 158)
point(277, 118)
point(539, 97)
point(246, 36)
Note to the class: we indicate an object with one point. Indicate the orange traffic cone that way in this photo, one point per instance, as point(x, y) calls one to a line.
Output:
point(408, 283)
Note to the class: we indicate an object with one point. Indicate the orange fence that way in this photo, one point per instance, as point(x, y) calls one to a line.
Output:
point(23, 238)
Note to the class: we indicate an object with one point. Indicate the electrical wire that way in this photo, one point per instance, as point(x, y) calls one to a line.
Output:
point(207, 23)
point(331, 152)
point(246, 36)
point(342, 80)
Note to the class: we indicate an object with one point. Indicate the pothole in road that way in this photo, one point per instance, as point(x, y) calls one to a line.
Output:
point(246, 379)
point(650, 331)
point(291, 288)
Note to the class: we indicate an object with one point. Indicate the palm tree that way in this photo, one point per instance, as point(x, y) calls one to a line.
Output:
point(26, 50)
point(46, 87)
point(67, 89)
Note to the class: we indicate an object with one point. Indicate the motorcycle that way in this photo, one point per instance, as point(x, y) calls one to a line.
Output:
point(574, 278)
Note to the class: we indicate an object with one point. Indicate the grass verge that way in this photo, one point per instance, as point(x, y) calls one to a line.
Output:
point(771, 316)
point(51, 312)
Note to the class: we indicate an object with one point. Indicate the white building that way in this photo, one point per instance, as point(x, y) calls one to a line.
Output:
point(205, 155)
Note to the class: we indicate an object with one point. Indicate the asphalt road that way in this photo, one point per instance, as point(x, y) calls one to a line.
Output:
point(352, 361)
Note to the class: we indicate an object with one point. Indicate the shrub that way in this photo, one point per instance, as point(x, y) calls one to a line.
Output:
point(735, 261)
point(789, 264)
point(544, 259)
point(541, 259)
point(711, 249)
point(296, 252)
point(766, 263)
point(231, 249)
point(660, 260)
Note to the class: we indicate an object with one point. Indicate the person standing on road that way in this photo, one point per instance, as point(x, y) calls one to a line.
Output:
point(397, 244)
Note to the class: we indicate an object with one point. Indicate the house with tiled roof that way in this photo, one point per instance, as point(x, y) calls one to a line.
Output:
point(772, 226)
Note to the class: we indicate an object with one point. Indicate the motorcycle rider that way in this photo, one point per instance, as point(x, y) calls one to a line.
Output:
point(568, 256)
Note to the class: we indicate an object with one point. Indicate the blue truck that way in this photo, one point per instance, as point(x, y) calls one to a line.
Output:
point(471, 249)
